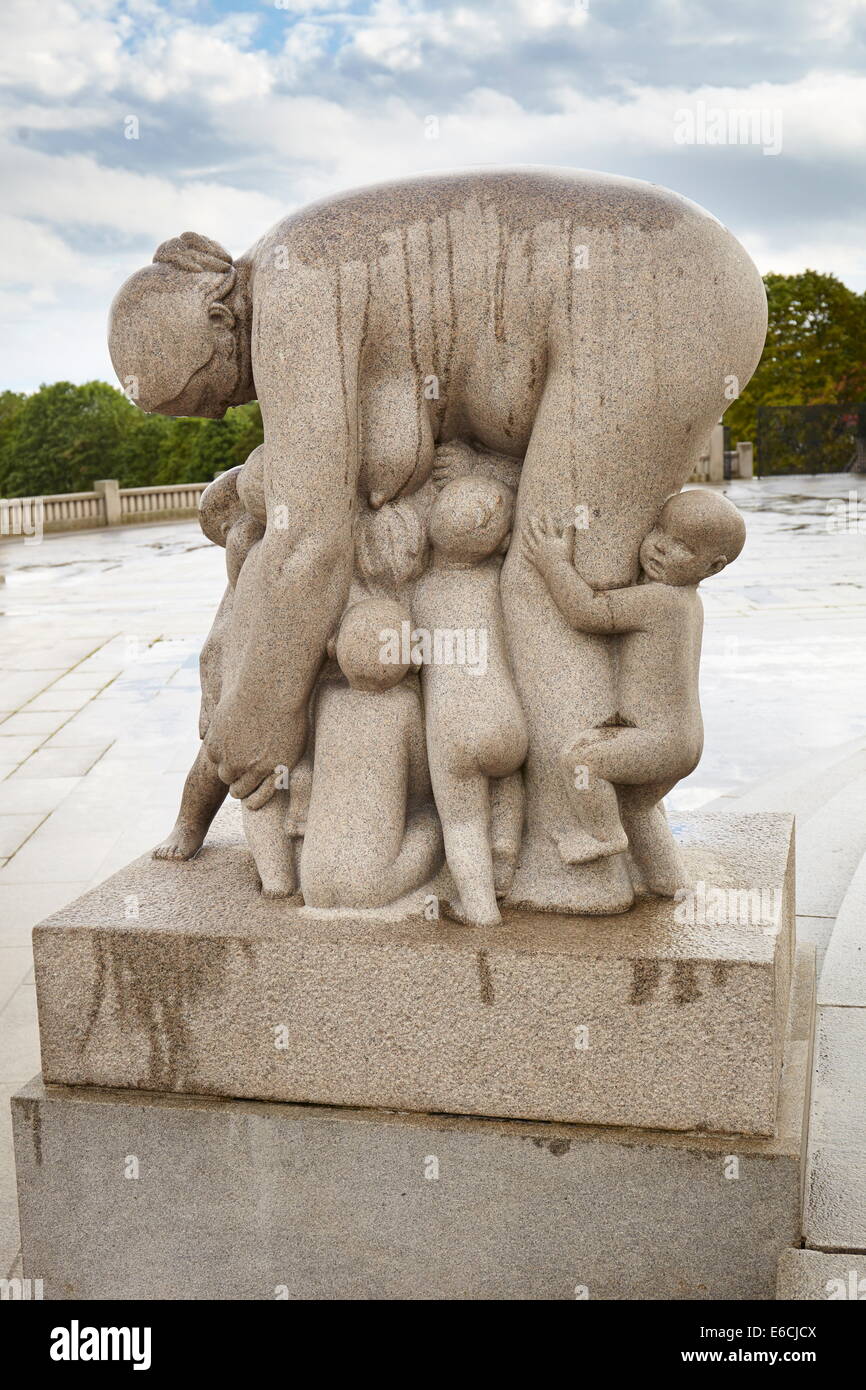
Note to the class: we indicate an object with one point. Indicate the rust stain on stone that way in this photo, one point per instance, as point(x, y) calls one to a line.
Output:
point(146, 985)
point(557, 1147)
point(685, 982)
point(485, 978)
point(646, 975)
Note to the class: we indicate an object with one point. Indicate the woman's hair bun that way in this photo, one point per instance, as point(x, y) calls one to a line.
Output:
point(189, 251)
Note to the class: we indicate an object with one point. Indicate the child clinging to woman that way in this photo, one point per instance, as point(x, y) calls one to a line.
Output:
point(656, 737)
point(231, 514)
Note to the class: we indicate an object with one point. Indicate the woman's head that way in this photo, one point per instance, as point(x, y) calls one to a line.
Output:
point(178, 331)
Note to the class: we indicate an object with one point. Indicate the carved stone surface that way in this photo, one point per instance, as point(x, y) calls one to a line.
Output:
point(457, 373)
point(665, 1016)
point(818, 1277)
point(246, 1200)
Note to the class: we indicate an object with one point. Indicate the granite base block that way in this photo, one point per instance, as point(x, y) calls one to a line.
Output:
point(180, 977)
point(129, 1194)
point(815, 1276)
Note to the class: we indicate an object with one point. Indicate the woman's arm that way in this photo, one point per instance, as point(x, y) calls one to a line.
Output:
point(293, 585)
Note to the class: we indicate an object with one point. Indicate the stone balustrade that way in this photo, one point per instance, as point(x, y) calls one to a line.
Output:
point(108, 505)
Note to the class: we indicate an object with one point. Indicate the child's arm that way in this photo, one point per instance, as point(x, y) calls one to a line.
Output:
point(549, 548)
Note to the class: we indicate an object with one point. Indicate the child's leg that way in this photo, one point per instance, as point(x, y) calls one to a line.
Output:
point(506, 828)
point(419, 858)
point(272, 849)
point(606, 759)
point(300, 788)
point(203, 794)
point(463, 804)
point(651, 844)
point(593, 801)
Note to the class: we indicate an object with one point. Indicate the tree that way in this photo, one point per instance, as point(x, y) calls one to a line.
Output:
point(137, 459)
point(197, 450)
point(10, 408)
point(815, 351)
point(62, 438)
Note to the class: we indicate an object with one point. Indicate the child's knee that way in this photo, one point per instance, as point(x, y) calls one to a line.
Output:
point(578, 751)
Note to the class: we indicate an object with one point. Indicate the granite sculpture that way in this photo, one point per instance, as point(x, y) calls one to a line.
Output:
point(445, 363)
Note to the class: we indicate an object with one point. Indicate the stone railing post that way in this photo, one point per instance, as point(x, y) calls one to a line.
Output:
point(109, 490)
point(745, 459)
point(716, 472)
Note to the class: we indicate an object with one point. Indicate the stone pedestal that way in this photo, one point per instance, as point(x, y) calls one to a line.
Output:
point(650, 1141)
point(181, 977)
point(143, 1195)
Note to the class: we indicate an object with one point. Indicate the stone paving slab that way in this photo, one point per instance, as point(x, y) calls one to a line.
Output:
point(835, 1216)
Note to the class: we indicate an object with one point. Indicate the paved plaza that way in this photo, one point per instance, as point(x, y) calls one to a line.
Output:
point(99, 641)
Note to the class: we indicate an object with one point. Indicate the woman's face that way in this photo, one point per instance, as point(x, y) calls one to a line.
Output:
point(174, 353)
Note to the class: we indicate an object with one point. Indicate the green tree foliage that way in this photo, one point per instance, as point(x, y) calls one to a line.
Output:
point(63, 437)
point(815, 351)
point(10, 405)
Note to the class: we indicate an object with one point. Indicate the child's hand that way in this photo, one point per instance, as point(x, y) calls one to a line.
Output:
point(452, 460)
point(548, 543)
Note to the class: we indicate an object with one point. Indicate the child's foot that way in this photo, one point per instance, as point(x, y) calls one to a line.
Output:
point(185, 840)
point(477, 918)
point(287, 889)
point(579, 847)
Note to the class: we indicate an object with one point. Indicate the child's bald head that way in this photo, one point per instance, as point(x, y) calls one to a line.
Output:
point(219, 506)
point(697, 534)
point(471, 519)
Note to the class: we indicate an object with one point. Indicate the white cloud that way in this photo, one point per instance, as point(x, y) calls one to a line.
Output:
point(234, 134)
point(76, 191)
point(58, 48)
point(214, 63)
point(834, 248)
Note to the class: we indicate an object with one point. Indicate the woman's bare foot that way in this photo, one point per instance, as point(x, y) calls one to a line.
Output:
point(185, 839)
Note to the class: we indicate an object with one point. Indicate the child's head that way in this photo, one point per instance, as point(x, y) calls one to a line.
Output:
point(219, 506)
point(697, 534)
point(471, 519)
point(369, 646)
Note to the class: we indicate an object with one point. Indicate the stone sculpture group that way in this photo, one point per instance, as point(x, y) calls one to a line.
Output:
point(458, 650)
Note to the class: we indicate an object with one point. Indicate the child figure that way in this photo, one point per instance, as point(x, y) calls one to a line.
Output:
point(372, 834)
point(476, 733)
point(225, 519)
point(656, 736)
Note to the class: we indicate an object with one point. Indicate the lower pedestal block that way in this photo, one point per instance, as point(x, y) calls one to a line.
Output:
point(128, 1194)
point(814, 1276)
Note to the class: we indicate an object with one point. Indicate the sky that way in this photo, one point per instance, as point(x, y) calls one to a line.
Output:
point(123, 124)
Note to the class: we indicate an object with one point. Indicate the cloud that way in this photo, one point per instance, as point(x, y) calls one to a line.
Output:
point(246, 114)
